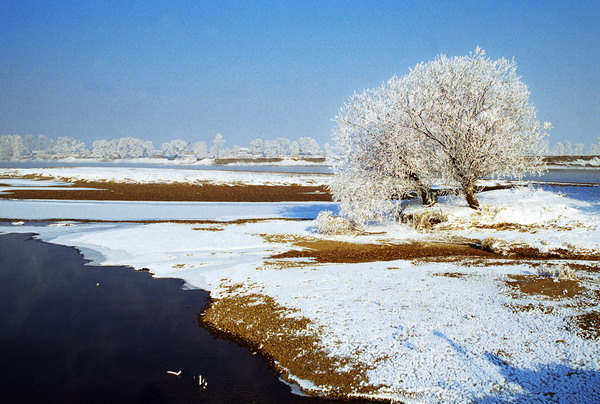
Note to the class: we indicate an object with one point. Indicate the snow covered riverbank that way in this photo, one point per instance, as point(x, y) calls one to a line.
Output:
point(393, 320)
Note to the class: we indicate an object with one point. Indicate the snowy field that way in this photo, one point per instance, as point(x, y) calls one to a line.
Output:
point(425, 331)
point(161, 175)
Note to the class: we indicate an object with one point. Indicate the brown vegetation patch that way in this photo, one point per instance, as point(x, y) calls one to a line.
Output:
point(328, 251)
point(285, 264)
point(286, 342)
point(452, 275)
point(115, 191)
point(208, 228)
point(586, 325)
point(263, 160)
point(545, 286)
point(519, 308)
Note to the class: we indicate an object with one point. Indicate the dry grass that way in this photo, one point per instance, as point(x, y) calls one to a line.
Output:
point(544, 286)
point(286, 341)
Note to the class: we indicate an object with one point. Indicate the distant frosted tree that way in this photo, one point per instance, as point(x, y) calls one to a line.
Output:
point(595, 147)
point(294, 148)
point(217, 145)
point(257, 147)
point(558, 149)
point(66, 146)
point(578, 149)
point(200, 150)
point(283, 147)
point(11, 147)
point(126, 147)
point(309, 146)
point(568, 148)
point(174, 148)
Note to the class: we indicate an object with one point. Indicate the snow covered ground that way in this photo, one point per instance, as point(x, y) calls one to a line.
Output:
point(426, 331)
point(162, 175)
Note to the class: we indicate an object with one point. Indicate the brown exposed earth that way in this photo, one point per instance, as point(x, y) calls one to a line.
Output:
point(543, 285)
point(327, 251)
point(114, 191)
point(284, 340)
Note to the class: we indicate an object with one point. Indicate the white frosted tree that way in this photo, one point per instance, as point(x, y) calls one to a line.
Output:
point(66, 146)
point(217, 145)
point(476, 111)
point(11, 147)
point(595, 147)
point(451, 120)
point(257, 147)
point(568, 148)
point(558, 149)
point(309, 146)
point(125, 147)
point(200, 150)
point(376, 160)
point(174, 148)
point(578, 149)
point(294, 148)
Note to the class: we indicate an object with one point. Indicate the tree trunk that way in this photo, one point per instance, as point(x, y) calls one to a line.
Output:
point(428, 197)
point(471, 199)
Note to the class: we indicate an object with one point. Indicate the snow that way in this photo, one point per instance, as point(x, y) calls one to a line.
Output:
point(428, 338)
point(162, 175)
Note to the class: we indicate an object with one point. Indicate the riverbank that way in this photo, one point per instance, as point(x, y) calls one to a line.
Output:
point(507, 295)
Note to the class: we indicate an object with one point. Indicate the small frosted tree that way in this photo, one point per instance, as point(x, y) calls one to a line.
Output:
point(218, 143)
point(174, 148)
point(67, 147)
point(11, 147)
point(200, 150)
point(595, 148)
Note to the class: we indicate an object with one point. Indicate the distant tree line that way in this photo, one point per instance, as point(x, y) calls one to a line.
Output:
point(14, 147)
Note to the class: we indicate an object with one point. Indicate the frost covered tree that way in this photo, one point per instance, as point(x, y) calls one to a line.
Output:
point(174, 148)
point(595, 148)
point(217, 145)
point(309, 146)
point(558, 149)
point(578, 149)
point(66, 146)
point(451, 121)
point(376, 159)
point(126, 147)
point(257, 147)
point(12, 147)
point(200, 150)
point(477, 112)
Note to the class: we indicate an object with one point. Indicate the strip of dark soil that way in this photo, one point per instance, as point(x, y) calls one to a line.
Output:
point(324, 251)
point(112, 191)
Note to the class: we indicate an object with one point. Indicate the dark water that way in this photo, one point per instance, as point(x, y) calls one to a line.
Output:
point(569, 175)
point(63, 339)
point(285, 169)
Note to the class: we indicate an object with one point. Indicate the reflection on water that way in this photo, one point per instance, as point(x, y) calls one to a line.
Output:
point(71, 333)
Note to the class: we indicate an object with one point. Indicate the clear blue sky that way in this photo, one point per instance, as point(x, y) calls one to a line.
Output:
point(160, 70)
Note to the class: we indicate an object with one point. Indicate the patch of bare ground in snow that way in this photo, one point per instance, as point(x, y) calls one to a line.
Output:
point(524, 251)
point(179, 192)
point(330, 251)
point(542, 285)
point(586, 325)
point(285, 341)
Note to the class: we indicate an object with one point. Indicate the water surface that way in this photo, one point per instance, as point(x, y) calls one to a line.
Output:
point(66, 339)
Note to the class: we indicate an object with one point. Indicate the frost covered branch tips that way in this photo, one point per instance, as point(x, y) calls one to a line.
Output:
point(450, 122)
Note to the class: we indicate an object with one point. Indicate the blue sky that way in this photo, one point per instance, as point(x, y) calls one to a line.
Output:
point(160, 70)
